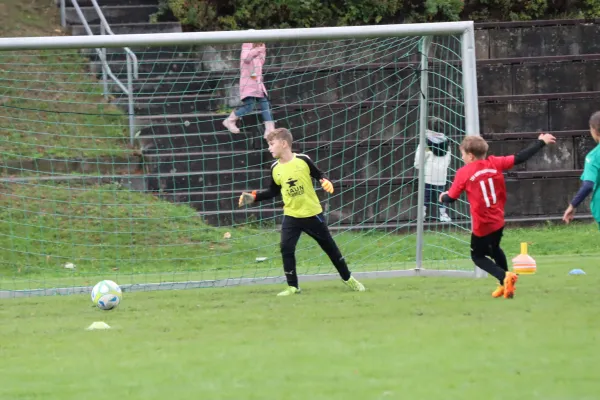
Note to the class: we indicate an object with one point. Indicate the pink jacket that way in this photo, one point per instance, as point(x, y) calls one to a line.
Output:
point(251, 64)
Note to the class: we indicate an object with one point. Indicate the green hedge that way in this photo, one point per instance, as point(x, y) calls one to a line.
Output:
point(209, 15)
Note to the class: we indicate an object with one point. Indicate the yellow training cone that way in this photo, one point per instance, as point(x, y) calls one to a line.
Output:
point(524, 264)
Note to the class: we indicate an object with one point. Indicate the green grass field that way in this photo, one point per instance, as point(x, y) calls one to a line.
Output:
point(422, 338)
point(411, 338)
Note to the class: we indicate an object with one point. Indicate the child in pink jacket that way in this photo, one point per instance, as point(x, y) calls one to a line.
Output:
point(252, 88)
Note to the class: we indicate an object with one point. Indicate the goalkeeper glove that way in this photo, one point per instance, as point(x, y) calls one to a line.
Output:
point(327, 185)
point(247, 198)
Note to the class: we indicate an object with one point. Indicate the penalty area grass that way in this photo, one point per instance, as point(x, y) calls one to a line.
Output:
point(406, 338)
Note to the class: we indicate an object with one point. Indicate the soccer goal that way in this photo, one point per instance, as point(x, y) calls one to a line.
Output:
point(116, 163)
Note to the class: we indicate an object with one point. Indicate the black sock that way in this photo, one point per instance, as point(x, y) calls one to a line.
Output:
point(335, 255)
point(490, 267)
point(342, 268)
point(339, 262)
point(289, 268)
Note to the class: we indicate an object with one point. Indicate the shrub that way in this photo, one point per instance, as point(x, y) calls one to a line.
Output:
point(208, 15)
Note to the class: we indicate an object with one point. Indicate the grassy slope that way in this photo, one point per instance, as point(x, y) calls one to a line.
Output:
point(135, 237)
point(50, 103)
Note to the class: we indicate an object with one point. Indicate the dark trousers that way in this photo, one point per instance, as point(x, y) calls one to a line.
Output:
point(489, 246)
point(432, 195)
point(316, 228)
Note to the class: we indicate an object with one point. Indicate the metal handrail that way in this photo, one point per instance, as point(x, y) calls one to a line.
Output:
point(132, 60)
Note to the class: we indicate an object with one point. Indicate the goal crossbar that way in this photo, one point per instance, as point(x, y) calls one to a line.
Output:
point(266, 35)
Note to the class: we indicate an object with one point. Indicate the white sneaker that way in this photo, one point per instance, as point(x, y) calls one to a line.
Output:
point(230, 125)
point(445, 218)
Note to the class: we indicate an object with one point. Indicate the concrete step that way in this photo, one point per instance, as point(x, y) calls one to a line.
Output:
point(537, 38)
point(372, 82)
point(492, 41)
point(353, 202)
point(379, 82)
point(573, 74)
point(135, 182)
point(175, 181)
point(568, 153)
point(183, 104)
point(502, 79)
point(326, 122)
point(149, 70)
point(535, 174)
point(150, 53)
point(348, 84)
point(205, 161)
point(59, 166)
point(356, 202)
point(333, 121)
point(171, 87)
point(361, 159)
point(313, 122)
point(197, 142)
point(113, 14)
point(357, 162)
point(129, 28)
point(547, 112)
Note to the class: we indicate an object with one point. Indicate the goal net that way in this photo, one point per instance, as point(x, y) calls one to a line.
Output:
point(116, 163)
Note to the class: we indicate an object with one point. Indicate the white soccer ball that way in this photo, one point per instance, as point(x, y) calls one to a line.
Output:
point(106, 295)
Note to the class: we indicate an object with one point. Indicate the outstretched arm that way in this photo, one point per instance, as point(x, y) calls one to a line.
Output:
point(457, 187)
point(586, 188)
point(529, 151)
point(272, 191)
point(589, 177)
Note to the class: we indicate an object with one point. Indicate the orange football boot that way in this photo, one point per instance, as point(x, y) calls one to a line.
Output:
point(509, 285)
point(499, 292)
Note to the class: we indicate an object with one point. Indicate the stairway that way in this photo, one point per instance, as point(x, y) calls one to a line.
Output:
point(539, 75)
point(530, 77)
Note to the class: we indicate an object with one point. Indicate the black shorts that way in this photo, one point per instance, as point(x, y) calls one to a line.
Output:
point(486, 245)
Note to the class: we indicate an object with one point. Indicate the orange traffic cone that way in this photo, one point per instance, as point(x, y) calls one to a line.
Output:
point(524, 264)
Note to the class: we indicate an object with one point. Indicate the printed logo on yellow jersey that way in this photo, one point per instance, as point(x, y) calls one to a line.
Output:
point(294, 188)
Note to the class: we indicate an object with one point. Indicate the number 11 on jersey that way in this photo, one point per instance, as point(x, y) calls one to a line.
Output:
point(488, 192)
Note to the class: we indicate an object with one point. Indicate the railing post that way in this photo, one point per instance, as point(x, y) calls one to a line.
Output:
point(63, 14)
point(104, 63)
point(131, 109)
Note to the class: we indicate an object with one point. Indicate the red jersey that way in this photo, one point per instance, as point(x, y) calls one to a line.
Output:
point(486, 192)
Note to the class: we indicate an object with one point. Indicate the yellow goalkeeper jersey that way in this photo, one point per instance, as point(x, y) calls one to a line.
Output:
point(293, 180)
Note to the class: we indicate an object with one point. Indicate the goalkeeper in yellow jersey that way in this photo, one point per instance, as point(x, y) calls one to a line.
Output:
point(291, 176)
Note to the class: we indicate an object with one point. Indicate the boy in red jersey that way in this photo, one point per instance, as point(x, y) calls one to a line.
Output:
point(483, 181)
